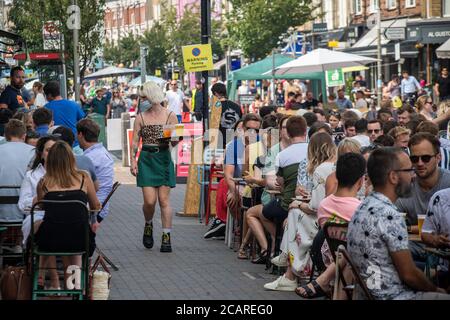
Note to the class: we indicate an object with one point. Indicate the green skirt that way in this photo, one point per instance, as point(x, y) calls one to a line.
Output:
point(156, 169)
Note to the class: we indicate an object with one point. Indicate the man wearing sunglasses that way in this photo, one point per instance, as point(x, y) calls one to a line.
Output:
point(425, 156)
point(378, 237)
point(374, 130)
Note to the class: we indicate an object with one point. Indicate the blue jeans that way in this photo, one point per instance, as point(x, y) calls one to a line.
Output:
point(180, 117)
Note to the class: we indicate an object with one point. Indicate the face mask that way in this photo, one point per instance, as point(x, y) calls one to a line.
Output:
point(144, 105)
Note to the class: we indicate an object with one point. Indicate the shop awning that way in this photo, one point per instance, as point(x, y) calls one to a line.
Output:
point(354, 69)
point(370, 38)
point(443, 52)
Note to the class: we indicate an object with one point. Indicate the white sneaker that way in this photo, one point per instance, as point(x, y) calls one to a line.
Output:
point(281, 284)
point(281, 260)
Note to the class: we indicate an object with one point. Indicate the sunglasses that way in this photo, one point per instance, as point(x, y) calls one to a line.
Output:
point(430, 102)
point(376, 131)
point(425, 158)
point(410, 170)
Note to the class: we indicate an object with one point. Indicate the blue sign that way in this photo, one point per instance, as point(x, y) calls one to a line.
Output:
point(196, 52)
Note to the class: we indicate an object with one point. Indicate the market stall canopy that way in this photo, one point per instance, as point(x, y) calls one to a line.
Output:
point(257, 70)
point(321, 60)
point(136, 82)
point(443, 52)
point(110, 72)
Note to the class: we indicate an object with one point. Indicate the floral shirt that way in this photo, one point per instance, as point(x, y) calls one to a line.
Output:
point(377, 229)
point(438, 214)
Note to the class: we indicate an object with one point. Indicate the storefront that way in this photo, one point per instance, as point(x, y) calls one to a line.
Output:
point(428, 35)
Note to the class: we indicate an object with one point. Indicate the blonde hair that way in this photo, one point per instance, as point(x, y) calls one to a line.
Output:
point(320, 149)
point(152, 92)
point(398, 131)
point(443, 107)
point(421, 101)
point(348, 145)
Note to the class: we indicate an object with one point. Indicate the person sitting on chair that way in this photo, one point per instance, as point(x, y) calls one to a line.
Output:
point(338, 207)
point(63, 182)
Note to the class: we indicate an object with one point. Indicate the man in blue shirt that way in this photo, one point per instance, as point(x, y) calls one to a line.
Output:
point(42, 120)
point(342, 102)
point(409, 87)
point(88, 132)
point(65, 113)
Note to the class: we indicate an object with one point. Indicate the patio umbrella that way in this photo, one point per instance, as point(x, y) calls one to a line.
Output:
point(136, 82)
point(110, 72)
point(321, 60)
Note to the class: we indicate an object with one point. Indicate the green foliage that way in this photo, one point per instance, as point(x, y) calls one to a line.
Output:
point(155, 40)
point(255, 25)
point(165, 39)
point(28, 17)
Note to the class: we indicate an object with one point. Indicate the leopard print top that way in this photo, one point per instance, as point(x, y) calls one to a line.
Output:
point(152, 134)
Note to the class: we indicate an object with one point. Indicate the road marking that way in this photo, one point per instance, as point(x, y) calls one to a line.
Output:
point(248, 275)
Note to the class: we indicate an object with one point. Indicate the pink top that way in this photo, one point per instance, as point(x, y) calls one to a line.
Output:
point(341, 207)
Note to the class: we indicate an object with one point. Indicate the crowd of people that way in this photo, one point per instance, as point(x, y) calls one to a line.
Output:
point(293, 169)
point(377, 170)
point(50, 152)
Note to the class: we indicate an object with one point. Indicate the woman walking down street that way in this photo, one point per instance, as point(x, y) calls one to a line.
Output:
point(155, 169)
point(118, 105)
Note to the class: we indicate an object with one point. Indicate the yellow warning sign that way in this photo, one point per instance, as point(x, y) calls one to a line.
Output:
point(198, 58)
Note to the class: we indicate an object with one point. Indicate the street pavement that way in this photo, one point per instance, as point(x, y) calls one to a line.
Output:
point(196, 269)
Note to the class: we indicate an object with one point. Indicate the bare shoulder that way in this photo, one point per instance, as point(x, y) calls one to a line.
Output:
point(173, 119)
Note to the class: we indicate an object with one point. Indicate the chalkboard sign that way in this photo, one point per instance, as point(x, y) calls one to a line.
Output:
point(246, 99)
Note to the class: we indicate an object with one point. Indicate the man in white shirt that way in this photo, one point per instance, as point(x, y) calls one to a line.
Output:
point(361, 133)
point(175, 98)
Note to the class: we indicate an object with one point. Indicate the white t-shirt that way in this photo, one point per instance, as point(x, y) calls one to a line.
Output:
point(40, 100)
point(175, 100)
point(363, 140)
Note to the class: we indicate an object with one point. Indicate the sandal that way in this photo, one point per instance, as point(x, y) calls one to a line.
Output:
point(308, 293)
point(263, 257)
point(242, 253)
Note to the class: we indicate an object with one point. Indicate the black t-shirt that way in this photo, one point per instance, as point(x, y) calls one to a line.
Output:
point(310, 104)
point(231, 114)
point(444, 86)
point(13, 98)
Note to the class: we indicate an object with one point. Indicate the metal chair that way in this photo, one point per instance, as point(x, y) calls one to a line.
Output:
point(11, 228)
point(343, 254)
point(66, 224)
point(116, 185)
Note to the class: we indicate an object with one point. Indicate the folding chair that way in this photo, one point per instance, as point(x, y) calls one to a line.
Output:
point(343, 253)
point(69, 225)
point(116, 185)
point(11, 228)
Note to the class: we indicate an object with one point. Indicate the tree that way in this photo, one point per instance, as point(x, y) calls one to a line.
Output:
point(255, 25)
point(187, 31)
point(156, 41)
point(28, 17)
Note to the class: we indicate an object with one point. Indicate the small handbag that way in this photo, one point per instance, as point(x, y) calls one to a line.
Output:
point(15, 284)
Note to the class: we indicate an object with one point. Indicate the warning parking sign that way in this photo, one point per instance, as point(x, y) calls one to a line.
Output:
point(198, 58)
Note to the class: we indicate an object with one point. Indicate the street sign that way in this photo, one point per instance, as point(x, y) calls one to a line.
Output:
point(320, 27)
point(51, 35)
point(395, 33)
point(335, 78)
point(198, 58)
